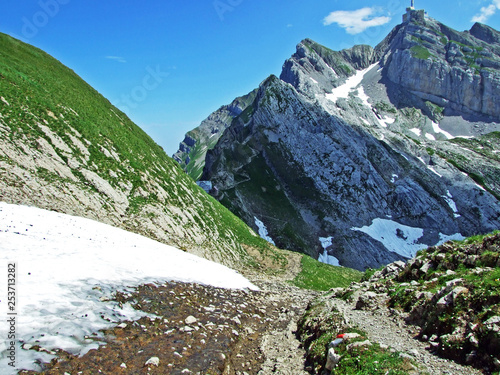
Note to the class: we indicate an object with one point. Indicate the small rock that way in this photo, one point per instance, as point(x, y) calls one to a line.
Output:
point(350, 336)
point(358, 344)
point(496, 363)
point(366, 301)
point(332, 359)
point(414, 352)
point(123, 365)
point(190, 320)
point(336, 343)
point(405, 356)
point(155, 361)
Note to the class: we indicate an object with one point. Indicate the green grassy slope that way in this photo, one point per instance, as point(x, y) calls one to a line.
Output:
point(65, 147)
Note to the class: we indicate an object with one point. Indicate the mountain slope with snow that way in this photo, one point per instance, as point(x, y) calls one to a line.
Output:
point(67, 269)
point(340, 147)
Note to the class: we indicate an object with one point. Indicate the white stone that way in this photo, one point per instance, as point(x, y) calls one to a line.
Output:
point(155, 361)
point(332, 359)
point(190, 320)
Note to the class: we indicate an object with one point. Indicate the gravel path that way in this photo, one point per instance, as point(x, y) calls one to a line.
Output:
point(388, 328)
point(281, 347)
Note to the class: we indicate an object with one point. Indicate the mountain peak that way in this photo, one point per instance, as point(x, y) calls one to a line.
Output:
point(485, 33)
point(350, 154)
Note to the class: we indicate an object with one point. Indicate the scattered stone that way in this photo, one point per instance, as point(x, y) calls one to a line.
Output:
point(366, 301)
point(190, 320)
point(358, 344)
point(332, 359)
point(351, 336)
point(155, 361)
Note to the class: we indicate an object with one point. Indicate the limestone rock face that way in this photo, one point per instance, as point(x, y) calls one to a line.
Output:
point(455, 70)
point(359, 155)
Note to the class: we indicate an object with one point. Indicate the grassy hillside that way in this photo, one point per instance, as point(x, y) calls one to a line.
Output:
point(65, 147)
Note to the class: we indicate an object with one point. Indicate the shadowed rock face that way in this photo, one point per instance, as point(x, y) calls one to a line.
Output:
point(355, 150)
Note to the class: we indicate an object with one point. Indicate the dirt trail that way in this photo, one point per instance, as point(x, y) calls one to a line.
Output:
point(387, 327)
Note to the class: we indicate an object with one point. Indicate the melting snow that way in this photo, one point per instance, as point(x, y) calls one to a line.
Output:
point(437, 129)
point(430, 137)
point(449, 199)
point(364, 98)
point(263, 231)
point(352, 82)
point(416, 131)
point(386, 121)
point(325, 257)
point(68, 267)
point(433, 170)
point(399, 238)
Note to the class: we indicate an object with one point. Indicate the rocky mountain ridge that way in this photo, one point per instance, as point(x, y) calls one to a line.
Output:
point(194, 147)
point(356, 156)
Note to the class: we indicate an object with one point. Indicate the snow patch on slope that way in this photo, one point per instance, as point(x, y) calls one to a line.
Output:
point(449, 199)
point(438, 130)
point(263, 233)
point(351, 83)
point(68, 267)
point(401, 239)
point(325, 257)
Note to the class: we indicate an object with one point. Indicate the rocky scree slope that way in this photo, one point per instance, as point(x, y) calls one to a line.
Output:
point(64, 147)
point(444, 302)
point(346, 153)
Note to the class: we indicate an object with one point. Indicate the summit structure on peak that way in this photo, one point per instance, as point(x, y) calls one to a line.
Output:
point(413, 14)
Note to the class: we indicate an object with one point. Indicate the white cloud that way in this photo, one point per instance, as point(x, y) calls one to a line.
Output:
point(486, 12)
point(356, 21)
point(116, 58)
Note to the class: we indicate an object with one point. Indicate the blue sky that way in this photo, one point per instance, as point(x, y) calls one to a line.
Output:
point(168, 64)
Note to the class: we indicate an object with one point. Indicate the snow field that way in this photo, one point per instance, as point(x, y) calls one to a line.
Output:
point(68, 267)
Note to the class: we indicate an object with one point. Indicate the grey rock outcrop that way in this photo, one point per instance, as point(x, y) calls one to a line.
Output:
point(457, 71)
point(196, 143)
